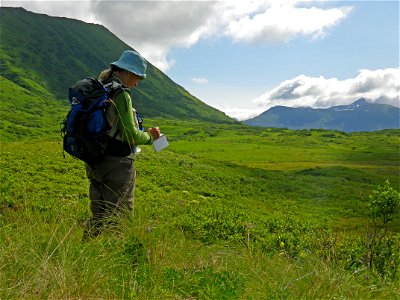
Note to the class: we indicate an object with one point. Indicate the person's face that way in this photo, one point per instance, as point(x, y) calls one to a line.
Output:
point(129, 79)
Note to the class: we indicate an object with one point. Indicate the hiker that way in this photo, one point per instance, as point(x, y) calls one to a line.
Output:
point(112, 180)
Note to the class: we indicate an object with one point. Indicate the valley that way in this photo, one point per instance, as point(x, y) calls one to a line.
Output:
point(223, 205)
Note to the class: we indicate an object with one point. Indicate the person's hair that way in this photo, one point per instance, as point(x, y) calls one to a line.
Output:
point(105, 74)
point(108, 73)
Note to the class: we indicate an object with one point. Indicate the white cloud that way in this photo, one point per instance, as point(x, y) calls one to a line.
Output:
point(240, 114)
point(380, 86)
point(200, 80)
point(281, 22)
point(154, 28)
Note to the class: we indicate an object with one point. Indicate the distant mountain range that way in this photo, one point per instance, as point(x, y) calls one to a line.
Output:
point(358, 116)
point(42, 56)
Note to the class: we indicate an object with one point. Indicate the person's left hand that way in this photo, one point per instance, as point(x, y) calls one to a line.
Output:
point(154, 132)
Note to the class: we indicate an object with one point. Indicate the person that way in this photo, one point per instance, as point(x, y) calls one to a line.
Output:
point(112, 180)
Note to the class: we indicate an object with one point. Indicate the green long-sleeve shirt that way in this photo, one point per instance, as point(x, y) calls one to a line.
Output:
point(122, 116)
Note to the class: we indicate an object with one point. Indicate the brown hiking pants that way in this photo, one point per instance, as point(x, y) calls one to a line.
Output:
point(111, 190)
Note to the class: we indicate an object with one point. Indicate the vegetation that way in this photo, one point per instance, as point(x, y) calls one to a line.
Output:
point(24, 115)
point(213, 219)
point(228, 211)
point(384, 204)
point(45, 55)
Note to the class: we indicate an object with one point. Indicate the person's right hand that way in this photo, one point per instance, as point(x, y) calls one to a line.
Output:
point(154, 132)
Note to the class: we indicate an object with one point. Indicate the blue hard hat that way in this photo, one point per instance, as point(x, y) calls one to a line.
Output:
point(133, 62)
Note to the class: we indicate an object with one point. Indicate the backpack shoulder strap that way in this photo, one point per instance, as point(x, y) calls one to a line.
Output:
point(114, 87)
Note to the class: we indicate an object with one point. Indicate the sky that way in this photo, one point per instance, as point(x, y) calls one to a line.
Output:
point(244, 57)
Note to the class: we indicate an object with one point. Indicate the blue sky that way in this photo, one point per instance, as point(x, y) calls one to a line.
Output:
point(238, 73)
point(244, 57)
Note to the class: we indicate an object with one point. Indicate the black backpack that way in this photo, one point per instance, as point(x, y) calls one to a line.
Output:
point(85, 125)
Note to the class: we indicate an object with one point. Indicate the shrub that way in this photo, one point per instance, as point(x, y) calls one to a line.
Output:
point(384, 204)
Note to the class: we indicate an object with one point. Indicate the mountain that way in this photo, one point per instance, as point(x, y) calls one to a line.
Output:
point(358, 116)
point(42, 56)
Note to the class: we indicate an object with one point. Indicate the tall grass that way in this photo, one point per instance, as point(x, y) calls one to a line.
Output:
point(42, 259)
point(209, 228)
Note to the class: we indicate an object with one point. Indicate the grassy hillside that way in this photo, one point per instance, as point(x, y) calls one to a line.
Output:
point(25, 115)
point(48, 54)
point(226, 212)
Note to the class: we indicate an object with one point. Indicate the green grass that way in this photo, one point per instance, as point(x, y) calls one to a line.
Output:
point(226, 212)
point(25, 115)
point(283, 149)
point(216, 224)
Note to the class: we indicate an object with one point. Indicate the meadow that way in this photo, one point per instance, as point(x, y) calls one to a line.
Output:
point(226, 212)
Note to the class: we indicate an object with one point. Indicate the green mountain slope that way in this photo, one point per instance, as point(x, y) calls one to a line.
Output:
point(45, 55)
point(23, 114)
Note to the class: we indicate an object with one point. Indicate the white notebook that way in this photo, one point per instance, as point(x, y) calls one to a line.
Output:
point(160, 143)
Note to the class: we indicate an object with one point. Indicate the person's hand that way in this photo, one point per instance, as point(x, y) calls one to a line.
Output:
point(154, 132)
